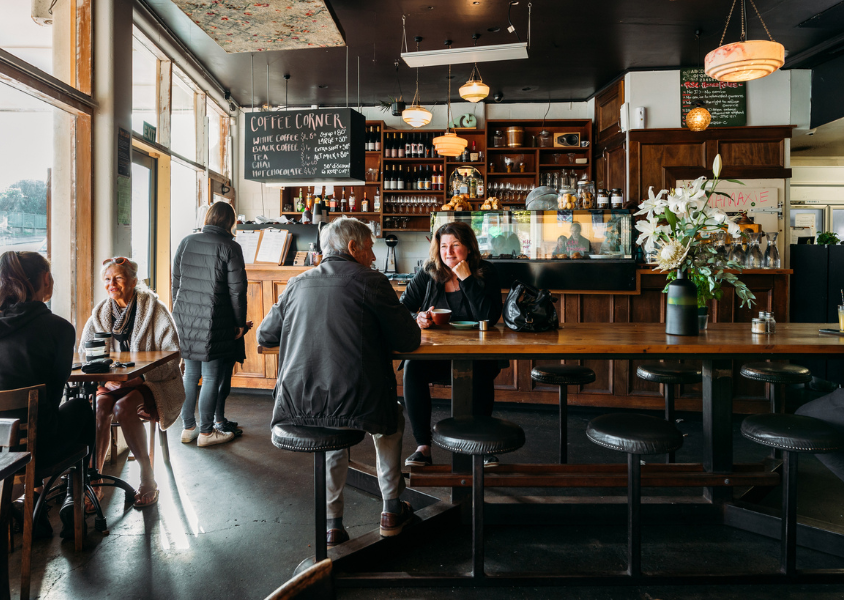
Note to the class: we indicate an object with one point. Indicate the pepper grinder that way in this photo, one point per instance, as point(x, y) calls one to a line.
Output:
point(392, 263)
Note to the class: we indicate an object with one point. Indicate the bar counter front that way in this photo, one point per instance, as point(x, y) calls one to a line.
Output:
point(718, 348)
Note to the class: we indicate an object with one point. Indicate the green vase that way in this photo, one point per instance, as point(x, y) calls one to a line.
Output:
point(681, 314)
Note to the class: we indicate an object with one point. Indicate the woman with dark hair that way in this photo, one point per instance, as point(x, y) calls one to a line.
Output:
point(454, 278)
point(137, 321)
point(209, 306)
point(36, 347)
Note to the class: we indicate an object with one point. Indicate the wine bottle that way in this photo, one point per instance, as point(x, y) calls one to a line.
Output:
point(352, 201)
point(376, 201)
point(343, 206)
point(364, 204)
point(377, 139)
point(400, 179)
point(401, 146)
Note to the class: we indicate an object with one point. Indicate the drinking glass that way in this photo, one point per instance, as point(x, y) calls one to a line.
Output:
point(753, 258)
point(736, 252)
point(772, 253)
point(841, 317)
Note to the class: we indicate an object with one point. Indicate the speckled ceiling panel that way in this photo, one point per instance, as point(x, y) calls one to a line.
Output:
point(263, 26)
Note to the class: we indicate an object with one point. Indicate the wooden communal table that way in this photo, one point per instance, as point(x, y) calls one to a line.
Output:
point(145, 362)
point(717, 348)
point(10, 463)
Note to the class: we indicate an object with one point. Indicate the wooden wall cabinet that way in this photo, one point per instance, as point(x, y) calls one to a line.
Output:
point(608, 112)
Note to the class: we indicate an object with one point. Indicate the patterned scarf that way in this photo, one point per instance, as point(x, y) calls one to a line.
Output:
point(124, 319)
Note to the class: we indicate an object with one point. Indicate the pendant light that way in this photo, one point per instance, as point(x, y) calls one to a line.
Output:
point(448, 144)
point(474, 90)
point(698, 118)
point(415, 115)
point(745, 60)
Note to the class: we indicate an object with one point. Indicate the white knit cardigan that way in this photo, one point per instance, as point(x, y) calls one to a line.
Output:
point(154, 329)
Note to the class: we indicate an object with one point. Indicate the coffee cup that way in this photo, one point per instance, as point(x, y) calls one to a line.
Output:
point(441, 316)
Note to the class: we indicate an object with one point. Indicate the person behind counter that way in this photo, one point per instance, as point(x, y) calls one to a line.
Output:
point(336, 327)
point(138, 321)
point(209, 306)
point(575, 243)
point(36, 347)
point(455, 278)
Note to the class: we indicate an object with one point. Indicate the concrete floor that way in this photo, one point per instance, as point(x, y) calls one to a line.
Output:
point(233, 521)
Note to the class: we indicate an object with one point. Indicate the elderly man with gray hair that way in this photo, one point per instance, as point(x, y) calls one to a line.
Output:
point(335, 327)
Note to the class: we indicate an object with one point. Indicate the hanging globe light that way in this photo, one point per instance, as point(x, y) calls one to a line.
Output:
point(474, 90)
point(448, 144)
point(416, 116)
point(698, 119)
point(744, 60)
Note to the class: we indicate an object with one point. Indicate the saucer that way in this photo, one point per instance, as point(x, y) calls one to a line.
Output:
point(464, 324)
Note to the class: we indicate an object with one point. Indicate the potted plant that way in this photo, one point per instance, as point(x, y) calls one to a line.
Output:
point(695, 270)
point(394, 105)
point(828, 238)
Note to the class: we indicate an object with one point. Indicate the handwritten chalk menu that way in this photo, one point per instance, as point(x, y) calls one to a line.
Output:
point(305, 146)
point(726, 101)
point(746, 198)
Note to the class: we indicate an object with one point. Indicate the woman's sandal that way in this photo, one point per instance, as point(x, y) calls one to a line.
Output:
point(139, 503)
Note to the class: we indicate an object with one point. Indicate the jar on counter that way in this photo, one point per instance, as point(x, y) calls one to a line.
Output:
point(603, 199)
point(586, 195)
point(758, 325)
point(616, 199)
point(498, 139)
point(771, 322)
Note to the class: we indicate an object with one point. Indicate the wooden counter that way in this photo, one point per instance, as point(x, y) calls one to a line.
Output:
point(616, 384)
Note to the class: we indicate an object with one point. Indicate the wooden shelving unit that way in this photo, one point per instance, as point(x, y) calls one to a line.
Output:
point(537, 161)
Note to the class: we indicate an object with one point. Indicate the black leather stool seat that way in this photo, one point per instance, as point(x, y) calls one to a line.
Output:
point(314, 439)
point(563, 375)
point(793, 433)
point(776, 373)
point(669, 373)
point(634, 434)
point(478, 435)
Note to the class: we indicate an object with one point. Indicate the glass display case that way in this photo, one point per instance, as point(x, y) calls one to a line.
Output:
point(553, 235)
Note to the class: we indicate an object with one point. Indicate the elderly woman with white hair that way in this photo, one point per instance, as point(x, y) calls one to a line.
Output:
point(138, 321)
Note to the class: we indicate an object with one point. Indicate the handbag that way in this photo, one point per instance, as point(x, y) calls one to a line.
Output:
point(530, 309)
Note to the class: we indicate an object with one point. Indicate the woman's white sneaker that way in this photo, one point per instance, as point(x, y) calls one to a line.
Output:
point(216, 437)
point(189, 435)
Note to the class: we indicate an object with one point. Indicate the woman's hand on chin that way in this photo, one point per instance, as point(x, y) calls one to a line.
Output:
point(462, 270)
point(112, 385)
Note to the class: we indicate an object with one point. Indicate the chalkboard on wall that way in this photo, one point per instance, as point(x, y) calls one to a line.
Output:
point(726, 101)
point(305, 146)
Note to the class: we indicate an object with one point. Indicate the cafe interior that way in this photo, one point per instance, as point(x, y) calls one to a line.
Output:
point(647, 421)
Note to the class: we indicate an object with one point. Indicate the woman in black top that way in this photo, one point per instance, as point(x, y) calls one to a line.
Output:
point(454, 278)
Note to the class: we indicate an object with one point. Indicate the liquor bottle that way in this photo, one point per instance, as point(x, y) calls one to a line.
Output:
point(307, 216)
point(352, 203)
point(400, 180)
point(473, 188)
point(481, 188)
point(333, 205)
point(378, 139)
point(439, 177)
point(368, 139)
point(307, 204)
point(376, 201)
point(428, 178)
point(426, 146)
point(364, 204)
point(343, 206)
point(473, 155)
point(401, 146)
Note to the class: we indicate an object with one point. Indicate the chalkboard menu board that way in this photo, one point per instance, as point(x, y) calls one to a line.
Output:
point(299, 147)
point(726, 101)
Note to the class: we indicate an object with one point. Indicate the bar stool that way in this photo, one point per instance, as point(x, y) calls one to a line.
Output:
point(563, 375)
point(791, 434)
point(778, 375)
point(635, 435)
point(478, 436)
point(669, 374)
point(317, 440)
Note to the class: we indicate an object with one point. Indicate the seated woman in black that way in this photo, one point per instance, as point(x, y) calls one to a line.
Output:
point(454, 278)
point(36, 347)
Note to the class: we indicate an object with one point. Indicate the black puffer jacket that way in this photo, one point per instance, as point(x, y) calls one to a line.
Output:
point(335, 327)
point(483, 294)
point(209, 294)
point(36, 347)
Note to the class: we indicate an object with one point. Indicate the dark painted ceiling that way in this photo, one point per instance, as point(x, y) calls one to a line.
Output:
point(577, 46)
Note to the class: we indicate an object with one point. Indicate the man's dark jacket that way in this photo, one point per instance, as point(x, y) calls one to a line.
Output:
point(209, 294)
point(335, 327)
point(36, 347)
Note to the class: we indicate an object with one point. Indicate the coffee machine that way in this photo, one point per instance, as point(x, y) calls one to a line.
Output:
point(392, 262)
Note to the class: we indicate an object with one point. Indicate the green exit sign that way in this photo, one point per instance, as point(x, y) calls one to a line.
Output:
point(149, 132)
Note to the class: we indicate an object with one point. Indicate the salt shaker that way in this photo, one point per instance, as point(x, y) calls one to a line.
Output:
point(771, 324)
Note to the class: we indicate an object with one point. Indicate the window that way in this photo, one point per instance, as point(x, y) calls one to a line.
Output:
point(53, 36)
point(183, 204)
point(144, 87)
point(216, 143)
point(36, 186)
point(183, 119)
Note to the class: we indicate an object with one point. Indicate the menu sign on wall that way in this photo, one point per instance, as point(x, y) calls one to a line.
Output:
point(305, 146)
point(726, 101)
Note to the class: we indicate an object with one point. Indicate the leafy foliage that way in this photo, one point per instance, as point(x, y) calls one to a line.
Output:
point(828, 238)
point(26, 196)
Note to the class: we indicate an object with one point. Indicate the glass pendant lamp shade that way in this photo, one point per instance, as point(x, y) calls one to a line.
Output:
point(744, 61)
point(474, 90)
point(416, 116)
point(449, 144)
point(698, 119)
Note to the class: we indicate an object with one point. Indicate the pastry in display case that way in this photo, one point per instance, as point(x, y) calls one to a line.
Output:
point(547, 235)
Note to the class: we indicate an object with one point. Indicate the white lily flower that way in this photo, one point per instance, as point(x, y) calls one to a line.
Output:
point(716, 166)
point(733, 229)
point(679, 203)
point(698, 187)
point(652, 204)
point(716, 215)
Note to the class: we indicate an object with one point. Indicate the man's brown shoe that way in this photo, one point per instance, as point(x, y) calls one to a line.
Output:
point(392, 524)
point(335, 537)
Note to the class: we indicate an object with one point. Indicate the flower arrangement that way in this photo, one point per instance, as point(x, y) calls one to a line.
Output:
point(674, 224)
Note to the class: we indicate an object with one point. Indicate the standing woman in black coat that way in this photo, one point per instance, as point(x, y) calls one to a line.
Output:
point(209, 307)
point(454, 278)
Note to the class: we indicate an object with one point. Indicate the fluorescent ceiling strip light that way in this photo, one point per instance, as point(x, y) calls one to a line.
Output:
point(459, 56)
